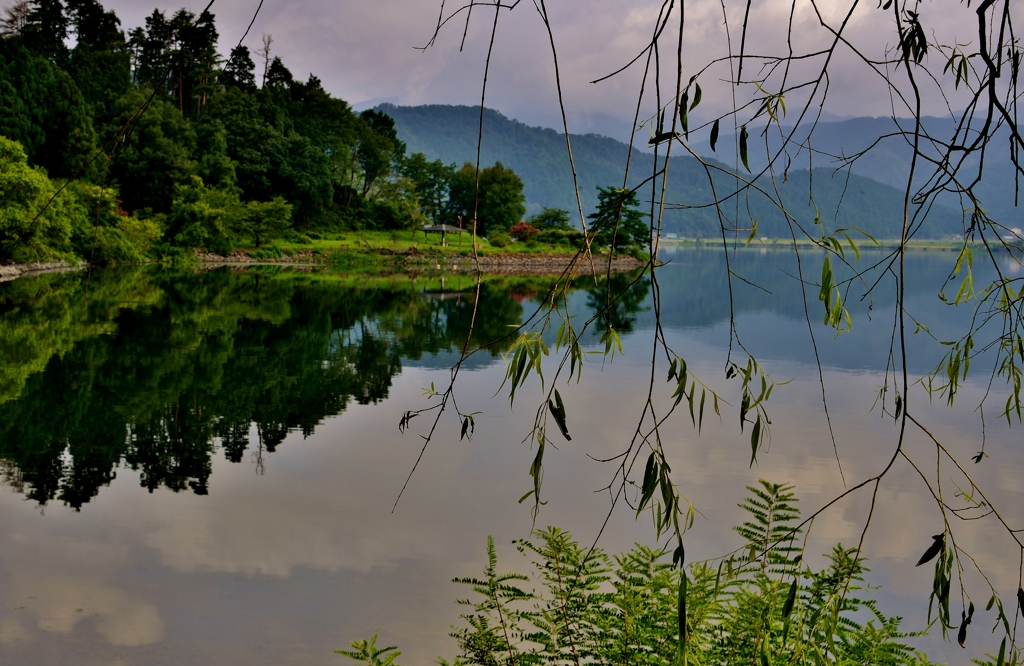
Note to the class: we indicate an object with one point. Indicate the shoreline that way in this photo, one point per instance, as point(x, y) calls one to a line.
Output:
point(494, 264)
point(9, 272)
point(501, 264)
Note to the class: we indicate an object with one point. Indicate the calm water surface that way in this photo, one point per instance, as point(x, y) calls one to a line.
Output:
point(200, 467)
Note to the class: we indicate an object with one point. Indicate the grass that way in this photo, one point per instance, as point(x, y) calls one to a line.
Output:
point(376, 243)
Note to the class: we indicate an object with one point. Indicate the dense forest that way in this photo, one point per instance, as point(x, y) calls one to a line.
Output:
point(146, 142)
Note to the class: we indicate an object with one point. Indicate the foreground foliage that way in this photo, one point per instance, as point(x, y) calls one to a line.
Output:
point(761, 604)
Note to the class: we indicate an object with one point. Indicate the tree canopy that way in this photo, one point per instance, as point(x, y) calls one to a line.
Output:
point(157, 117)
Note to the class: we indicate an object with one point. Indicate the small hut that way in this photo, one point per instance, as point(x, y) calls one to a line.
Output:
point(443, 229)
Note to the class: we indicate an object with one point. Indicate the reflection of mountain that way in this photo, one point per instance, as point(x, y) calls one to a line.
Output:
point(156, 370)
point(770, 316)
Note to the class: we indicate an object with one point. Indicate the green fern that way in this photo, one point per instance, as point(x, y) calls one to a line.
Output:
point(368, 652)
point(492, 636)
point(769, 536)
point(566, 618)
point(771, 608)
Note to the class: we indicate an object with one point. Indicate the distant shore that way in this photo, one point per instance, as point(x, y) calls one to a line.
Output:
point(787, 243)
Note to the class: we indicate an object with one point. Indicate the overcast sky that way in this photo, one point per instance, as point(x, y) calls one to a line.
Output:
point(365, 50)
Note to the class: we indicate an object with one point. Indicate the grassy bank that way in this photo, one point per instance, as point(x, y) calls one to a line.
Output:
point(412, 242)
point(366, 250)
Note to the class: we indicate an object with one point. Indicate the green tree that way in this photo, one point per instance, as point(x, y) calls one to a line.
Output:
point(250, 140)
point(331, 126)
point(46, 28)
point(551, 219)
point(302, 175)
point(278, 76)
point(215, 218)
point(214, 166)
point(103, 233)
point(31, 230)
point(265, 221)
point(239, 71)
point(49, 116)
point(379, 150)
point(432, 182)
point(193, 59)
point(100, 62)
point(202, 216)
point(501, 201)
point(157, 153)
point(151, 50)
point(617, 221)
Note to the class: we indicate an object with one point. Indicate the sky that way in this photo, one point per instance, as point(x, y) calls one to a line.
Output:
point(367, 51)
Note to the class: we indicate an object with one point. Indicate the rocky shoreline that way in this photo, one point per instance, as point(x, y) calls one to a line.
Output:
point(512, 263)
point(535, 264)
point(506, 264)
point(14, 271)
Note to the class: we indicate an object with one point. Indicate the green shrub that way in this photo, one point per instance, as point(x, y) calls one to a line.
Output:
point(103, 233)
point(760, 604)
point(110, 246)
point(561, 237)
point(142, 234)
point(221, 245)
point(269, 252)
point(499, 239)
point(31, 230)
point(293, 236)
point(523, 232)
point(215, 218)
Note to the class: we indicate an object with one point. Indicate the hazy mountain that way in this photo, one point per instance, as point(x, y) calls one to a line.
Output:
point(538, 155)
point(887, 161)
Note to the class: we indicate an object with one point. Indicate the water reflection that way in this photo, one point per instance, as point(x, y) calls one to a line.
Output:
point(157, 370)
point(156, 382)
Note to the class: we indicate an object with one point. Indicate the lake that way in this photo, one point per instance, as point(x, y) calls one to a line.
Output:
point(200, 466)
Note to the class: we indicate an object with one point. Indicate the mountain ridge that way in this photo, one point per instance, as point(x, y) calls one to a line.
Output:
point(538, 155)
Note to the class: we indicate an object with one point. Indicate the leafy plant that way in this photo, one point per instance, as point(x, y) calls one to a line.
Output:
point(367, 651)
point(524, 232)
point(760, 604)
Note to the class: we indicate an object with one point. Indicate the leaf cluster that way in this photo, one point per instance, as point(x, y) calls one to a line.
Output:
point(762, 604)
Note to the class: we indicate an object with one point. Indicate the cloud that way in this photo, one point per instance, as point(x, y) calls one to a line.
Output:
point(58, 583)
point(367, 50)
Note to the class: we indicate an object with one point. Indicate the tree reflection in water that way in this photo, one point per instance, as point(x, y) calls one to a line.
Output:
point(156, 370)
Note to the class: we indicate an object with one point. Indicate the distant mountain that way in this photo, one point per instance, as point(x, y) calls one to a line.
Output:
point(538, 155)
point(887, 161)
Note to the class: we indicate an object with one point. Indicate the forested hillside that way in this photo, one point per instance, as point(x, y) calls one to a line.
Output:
point(145, 142)
point(121, 144)
point(538, 155)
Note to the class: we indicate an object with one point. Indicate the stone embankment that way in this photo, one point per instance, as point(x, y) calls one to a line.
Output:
point(303, 258)
point(514, 264)
point(13, 271)
point(533, 264)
